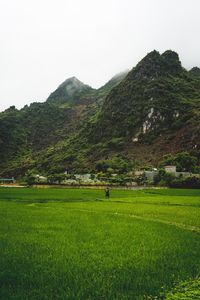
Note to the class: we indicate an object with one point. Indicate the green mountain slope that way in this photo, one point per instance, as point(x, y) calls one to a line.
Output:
point(157, 95)
point(157, 104)
point(27, 133)
point(151, 111)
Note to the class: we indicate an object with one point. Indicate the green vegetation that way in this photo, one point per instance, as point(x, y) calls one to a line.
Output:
point(151, 111)
point(41, 136)
point(186, 165)
point(157, 97)
point(188, 290)
point(188, 182)
point(75, 244)
point(70, 92)
point(183, 161)
point(169, 179)
point(117, 164)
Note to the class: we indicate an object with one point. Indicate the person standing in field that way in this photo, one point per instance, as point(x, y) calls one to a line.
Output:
point(107, 192)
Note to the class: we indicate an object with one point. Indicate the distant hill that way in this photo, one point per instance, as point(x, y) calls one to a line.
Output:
point(70, 92)
point(141, 115)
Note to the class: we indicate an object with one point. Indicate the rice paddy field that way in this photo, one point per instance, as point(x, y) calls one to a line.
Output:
point(75, 244)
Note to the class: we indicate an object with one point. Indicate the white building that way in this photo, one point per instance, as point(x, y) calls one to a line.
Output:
point(170, 169)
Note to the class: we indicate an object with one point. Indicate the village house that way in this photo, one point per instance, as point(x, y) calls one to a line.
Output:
point(7, 180)
point(41, 178)
point(170, 169)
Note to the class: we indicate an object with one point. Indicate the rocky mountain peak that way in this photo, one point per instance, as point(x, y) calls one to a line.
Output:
point(195, 71)
point(72, 81)
point(171, 62)
point(154, 65)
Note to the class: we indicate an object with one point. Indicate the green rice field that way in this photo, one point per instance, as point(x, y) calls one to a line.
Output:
point(76, 244)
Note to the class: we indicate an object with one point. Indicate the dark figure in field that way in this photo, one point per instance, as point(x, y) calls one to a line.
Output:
point(107, 193)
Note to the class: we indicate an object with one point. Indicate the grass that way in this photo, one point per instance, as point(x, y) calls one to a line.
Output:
point(187, 290)
point(74, 244)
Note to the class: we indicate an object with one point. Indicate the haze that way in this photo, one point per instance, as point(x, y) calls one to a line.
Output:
point(44, 42)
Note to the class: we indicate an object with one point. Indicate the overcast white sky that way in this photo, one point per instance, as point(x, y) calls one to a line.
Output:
point(43, 42)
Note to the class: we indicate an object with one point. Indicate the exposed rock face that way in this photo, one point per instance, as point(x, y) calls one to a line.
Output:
point(155, 97)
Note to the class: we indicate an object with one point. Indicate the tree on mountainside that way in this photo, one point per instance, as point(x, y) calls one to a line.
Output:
point(183, 161)
point(30, 178)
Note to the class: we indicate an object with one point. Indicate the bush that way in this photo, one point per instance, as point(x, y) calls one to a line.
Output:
point(188, 182)
point(29, 178)
point(163, 178)
point(56, 178)
point(167, 179)
point(141, 179)
point(117, 164)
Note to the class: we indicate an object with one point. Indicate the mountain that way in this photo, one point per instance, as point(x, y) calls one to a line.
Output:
point(153, 111)
point(27, 133)
point(152, 98)
point(113, 82)
point(195, 71)
point(70, 92)
point(140, 115)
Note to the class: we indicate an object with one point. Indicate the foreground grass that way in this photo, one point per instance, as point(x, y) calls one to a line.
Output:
point(72, 244)
point(187, 290)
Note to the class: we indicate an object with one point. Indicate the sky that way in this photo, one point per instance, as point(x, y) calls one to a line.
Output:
point(44, 42)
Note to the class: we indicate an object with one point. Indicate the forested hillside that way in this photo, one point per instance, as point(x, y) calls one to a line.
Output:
point(136, 117)
point(37, 129)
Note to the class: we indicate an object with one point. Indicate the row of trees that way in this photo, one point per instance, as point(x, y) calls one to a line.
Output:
point(116, 170)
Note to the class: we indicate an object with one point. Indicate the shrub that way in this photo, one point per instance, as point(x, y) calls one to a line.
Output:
point(188, 182)
point(163, 178)
point(141, 179)
point(117, 164)
point(30, 178)
point(56, 178)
